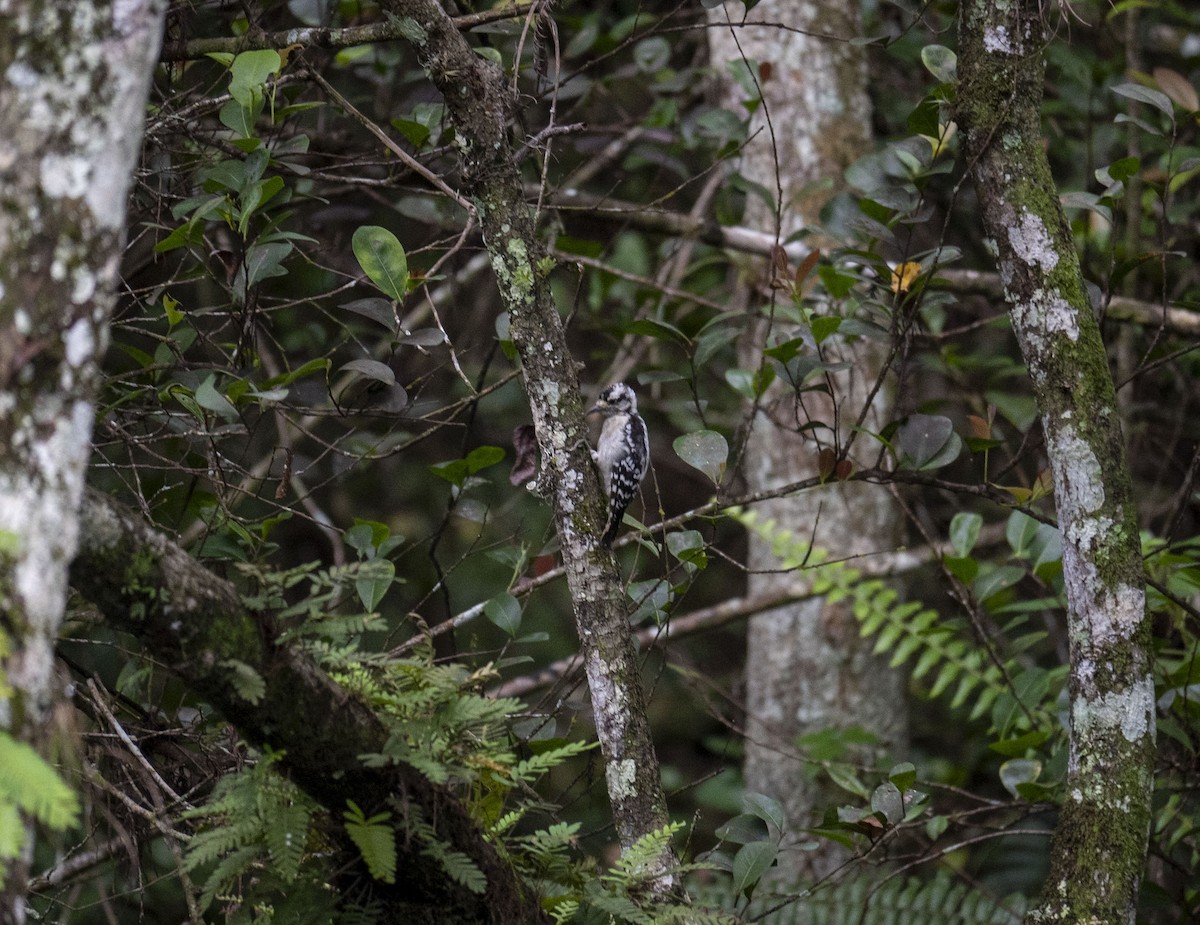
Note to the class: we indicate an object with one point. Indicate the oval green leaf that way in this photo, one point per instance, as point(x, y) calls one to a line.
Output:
point(505, 612)
point(382, 257)
point(705, 450)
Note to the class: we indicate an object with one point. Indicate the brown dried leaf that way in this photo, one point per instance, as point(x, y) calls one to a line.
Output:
point(1177, 87)
point(826, 460)
point(806, 267)
point(525, 448)
point(980, 429)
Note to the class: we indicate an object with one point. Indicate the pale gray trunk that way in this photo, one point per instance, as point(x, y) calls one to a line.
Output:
point(73, 84)
point(807, 667)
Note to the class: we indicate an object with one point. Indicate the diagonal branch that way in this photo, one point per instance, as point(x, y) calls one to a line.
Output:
point(194, 622)
point(481, 105)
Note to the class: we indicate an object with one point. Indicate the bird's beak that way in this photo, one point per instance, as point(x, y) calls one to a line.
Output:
point(595, 409)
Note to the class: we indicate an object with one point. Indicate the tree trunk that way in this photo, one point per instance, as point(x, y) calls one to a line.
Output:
point(1099, 846)
point(75, 77)
point(807, 668)
point(480, 103)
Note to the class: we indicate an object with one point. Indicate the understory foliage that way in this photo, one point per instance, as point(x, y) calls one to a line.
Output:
point(312, 389)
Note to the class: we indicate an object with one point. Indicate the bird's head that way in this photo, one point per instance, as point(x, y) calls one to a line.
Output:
point(617, 398)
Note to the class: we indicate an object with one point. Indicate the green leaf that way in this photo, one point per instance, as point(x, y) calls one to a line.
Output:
point(836, 284)
point(246, 680)
point(414, 132)
point(903, 775)
point(923, 438)
point(382, 258)
point(824, 326)
point(657, 329)
point(1018, 771)
point(1020, 532)
point(750, 863)
point(742, 829)
point(482, 457)
point(263, 261)
point(887, 800)
point(505, 612)
point(1155, 98)
point(376, 308)
point(843, 775)
point(964, 568)
point(768, 809)
point(997, 580)
point(207, 396)
point(741, 381)
point(964, 532)
point(239, 118)
point(374, 579)
point(688, 546)
point(170, 307)
point(250, 71)
point(941, 62)
point(1120, 170)
point(371, 369)
point(362, 537)
point(705, 450)
point(321, 364)
point(454, 471)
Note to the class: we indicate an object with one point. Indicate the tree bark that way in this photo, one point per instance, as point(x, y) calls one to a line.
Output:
point(74, 78)
point(195, 624)
point(481, 106)
point(1099, 845)
point(807, 667)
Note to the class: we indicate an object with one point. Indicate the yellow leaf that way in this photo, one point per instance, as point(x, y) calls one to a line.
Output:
point(904, 275)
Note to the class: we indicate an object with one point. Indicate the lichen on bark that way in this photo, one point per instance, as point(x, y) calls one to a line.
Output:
point(1099, 845)
point(480, 103)
point(74, 79)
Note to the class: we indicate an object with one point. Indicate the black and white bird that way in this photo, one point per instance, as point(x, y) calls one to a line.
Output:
point(622, 453)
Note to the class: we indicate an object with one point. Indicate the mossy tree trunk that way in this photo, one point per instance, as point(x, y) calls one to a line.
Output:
point(481, 105)
point(195, 624)
point(1099, 845)
point(74, 79)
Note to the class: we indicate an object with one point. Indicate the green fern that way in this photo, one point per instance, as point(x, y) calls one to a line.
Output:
point(30, 784)
point(252, 816)
point(947, 659)
point(375, 840)
point(872, 898)
point(644, 857)
point(287, 839)
point(532, 768)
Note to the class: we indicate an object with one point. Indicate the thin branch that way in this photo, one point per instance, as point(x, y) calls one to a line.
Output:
point(387, 30)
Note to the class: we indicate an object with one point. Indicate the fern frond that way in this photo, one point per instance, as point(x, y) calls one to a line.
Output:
point(286, 837)
point(229, 868)
point(457, 865)
point(643, 855)
point(903, 630)
point(32, 784)
point(375, 840)
point(533, 768)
